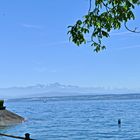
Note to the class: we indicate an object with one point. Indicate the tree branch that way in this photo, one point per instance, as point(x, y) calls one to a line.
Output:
point(90, 4)
point(134, 31)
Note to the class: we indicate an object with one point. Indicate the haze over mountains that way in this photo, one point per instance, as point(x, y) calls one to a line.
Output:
point(57, 89)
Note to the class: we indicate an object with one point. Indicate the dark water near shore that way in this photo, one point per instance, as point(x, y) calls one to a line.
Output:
point(76, 118)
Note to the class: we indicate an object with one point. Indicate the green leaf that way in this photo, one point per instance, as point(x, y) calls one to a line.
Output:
point(107, 15)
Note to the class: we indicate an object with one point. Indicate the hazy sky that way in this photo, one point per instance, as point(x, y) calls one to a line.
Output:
point(34, 47)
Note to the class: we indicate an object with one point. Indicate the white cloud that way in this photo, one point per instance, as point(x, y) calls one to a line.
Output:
point(129, 47)
point(57, 43)
point(120, 33)
point(31, 26)
point(44, 69)
point(41, 69)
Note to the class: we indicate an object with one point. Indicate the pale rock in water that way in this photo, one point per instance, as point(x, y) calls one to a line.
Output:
point(8, 118)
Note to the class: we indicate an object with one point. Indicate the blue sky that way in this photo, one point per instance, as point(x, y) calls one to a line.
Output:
point(34, 48)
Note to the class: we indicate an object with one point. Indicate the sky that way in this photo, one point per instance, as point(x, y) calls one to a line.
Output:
point(35, 48)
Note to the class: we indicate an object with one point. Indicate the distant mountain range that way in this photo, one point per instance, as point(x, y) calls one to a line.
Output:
point(57, 89)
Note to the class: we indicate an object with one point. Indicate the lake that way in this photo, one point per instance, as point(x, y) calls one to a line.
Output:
point(76, 118)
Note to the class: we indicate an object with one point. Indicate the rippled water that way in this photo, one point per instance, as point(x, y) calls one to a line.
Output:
point(76, 119)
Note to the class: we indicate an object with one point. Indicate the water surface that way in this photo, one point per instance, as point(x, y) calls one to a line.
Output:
point(76, 119)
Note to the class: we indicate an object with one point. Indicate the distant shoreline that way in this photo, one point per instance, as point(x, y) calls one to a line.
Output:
point(129, 96)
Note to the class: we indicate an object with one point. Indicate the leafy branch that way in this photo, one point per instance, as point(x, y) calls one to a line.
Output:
point(106, 15)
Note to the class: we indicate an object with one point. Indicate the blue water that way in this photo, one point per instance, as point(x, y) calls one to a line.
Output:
point(60, 119)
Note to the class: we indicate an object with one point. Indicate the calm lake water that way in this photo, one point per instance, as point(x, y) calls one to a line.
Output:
point(76, 119)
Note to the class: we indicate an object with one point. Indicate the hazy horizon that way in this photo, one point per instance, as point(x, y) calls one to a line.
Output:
point(58, 89)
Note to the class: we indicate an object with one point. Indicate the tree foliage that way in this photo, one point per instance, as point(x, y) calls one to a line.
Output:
point(102, 17)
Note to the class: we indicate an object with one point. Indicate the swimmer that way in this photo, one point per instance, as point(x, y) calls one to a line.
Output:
point(119, 122)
